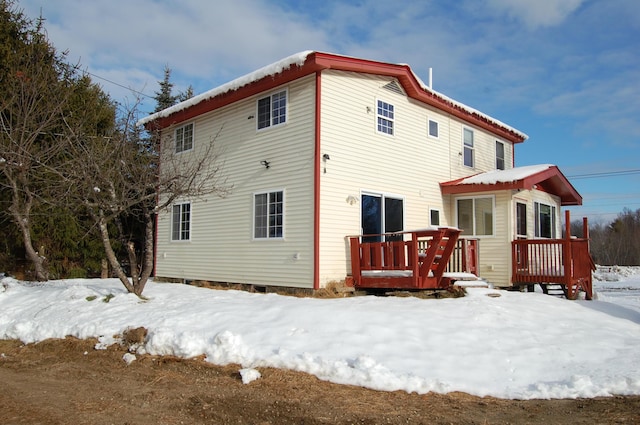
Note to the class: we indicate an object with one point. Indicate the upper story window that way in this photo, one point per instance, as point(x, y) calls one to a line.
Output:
point(499, 155)
point(181, 222)
point(272, 110)
point(545, 220)
point(184, 138)
point(475, 215)
point(467, 148)
point(433, 129)
point(268, 213)
point(385, 117)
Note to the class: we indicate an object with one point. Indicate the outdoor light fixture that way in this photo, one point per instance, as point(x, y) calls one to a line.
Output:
point(265, 163)
point(326, 157)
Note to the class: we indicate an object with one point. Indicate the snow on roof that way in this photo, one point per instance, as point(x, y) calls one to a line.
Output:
point(299, 59)
point(506, 176)
point(275, 68)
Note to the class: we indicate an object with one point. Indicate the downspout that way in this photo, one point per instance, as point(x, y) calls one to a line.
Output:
point(316, 190)
point(155, 238)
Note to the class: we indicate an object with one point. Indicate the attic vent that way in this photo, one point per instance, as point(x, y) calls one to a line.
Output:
point(394, 87)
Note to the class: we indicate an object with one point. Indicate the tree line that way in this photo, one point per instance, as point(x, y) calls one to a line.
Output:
point(80, 185)
point(616, 242)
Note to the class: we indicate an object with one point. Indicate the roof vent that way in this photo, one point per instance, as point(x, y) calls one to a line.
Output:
point(394, 87)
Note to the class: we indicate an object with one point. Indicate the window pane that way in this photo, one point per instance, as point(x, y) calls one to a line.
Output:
point(393, 216)
point(371, 217)
point(468, 148)
point(260, 226)
point(385, 117)
point(433, 128)
point(484, 216)
point(521, 219)
point(500, 155)
point(435, 217)
point(275, 215)
point(185, 222)
point(465, 216)
point(175, 223)
point(264, 112)
point(179, 139)
point(279, 108)
point(187, 142)
point(545, 221)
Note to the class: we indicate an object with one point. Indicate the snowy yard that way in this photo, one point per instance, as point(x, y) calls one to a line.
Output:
point(515, 345)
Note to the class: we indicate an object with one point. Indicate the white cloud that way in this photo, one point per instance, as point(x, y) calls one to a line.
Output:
point(536, 13)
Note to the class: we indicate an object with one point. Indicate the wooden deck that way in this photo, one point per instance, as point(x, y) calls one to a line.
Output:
point(564, 261)
point(411, 260)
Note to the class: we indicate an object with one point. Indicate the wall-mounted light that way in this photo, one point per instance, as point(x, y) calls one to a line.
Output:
point(250, 117)
point(352, 200)
point(326, 157)
point(266, 164)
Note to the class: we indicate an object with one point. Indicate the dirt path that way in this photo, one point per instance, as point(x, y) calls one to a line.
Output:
point(69, 382)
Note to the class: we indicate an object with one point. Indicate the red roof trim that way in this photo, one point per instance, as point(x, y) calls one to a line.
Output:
point(318, 61)
point(550, 180)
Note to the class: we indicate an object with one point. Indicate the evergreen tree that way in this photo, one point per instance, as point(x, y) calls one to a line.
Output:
point(165, 98)
point(44, 105)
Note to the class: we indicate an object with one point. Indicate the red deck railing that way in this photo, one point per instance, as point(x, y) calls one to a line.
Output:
point(563, 261)
point(419, 262)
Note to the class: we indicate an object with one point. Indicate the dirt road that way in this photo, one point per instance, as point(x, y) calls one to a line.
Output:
point(69, 382)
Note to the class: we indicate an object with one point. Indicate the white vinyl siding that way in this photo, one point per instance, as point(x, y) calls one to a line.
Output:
point(184, 138)
point(225, 249)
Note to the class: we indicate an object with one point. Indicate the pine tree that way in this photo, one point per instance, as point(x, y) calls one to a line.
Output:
point(164, 98)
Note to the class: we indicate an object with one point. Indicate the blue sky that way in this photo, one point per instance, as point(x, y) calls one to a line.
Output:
point(565, 72)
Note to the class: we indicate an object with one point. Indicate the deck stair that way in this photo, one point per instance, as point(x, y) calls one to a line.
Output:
point(554, 289)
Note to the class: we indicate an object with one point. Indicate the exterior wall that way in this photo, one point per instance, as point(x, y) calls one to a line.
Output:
point(409, 165)
point(222, 247)
point(495, 251)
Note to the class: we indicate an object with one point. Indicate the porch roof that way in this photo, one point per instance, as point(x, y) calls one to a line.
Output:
point(545, 177)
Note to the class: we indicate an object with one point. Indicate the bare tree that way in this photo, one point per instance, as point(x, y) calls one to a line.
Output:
point(34, 92)
point(124, 177)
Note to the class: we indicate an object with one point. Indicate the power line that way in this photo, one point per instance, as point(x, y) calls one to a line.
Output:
point(118, 84)
point(605, 174)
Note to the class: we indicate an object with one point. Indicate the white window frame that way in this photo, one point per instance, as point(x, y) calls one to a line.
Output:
point(504, 156)
point(268, 225)
point(385, 117)
point(466, 147)
point(178, 134)
point(553, 213)
point(473, 215)
point(272, 98)
point(437, 124)
point(181, 222)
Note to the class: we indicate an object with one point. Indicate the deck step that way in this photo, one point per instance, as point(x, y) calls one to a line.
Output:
point(554, 289)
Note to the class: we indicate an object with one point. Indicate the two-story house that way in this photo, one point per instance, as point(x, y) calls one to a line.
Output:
point(320, 146)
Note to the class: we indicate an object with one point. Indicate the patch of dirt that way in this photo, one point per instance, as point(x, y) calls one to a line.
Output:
point(69, 382)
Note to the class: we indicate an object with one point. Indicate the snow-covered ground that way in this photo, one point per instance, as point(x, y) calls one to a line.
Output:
point(498, 343)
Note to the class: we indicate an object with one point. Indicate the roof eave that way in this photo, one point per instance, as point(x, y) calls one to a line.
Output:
point(318, 61)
